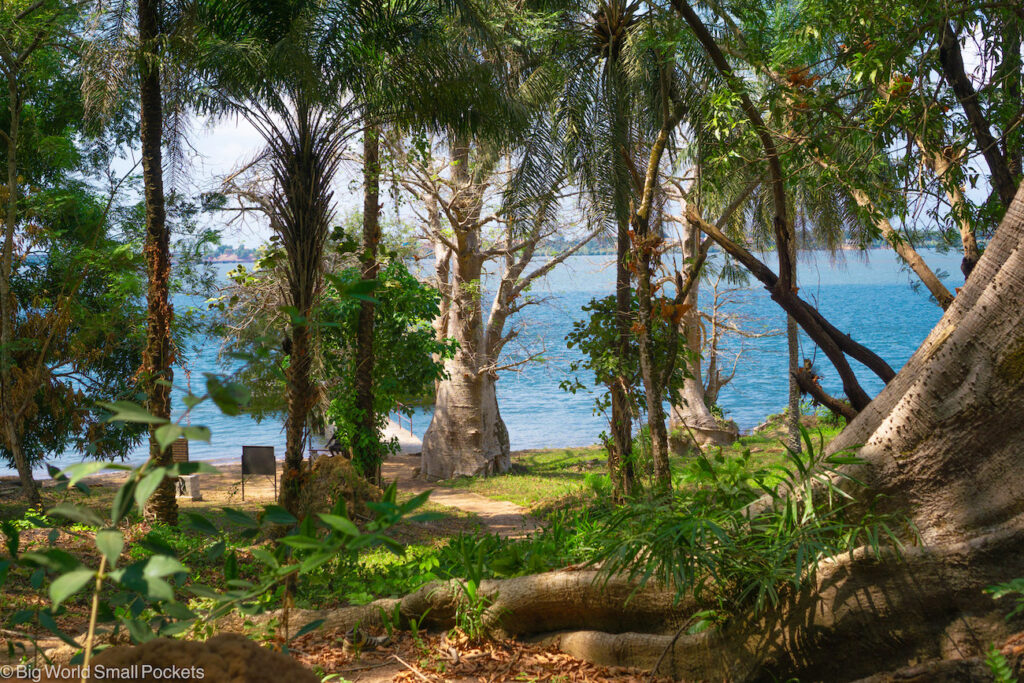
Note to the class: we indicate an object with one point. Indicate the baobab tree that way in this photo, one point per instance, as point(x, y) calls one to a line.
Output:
point(459, 195)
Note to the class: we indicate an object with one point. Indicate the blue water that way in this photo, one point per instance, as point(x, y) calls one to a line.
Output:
point(868, 296)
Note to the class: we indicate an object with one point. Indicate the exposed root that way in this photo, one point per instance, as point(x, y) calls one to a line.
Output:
point(862, 615)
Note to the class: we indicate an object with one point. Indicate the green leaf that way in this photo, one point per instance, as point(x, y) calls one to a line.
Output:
point(126, 411)
point(54, 559)
point(66, 585)
point(265, 557)
point(342, 524)
point(196, 467)
point(239, 518)
point(176, 610)
point(311, 626)
point(123, 501)
point(198, 522)
point(148, 485)
point(275, 514)
point(77, 513)
point(110, 542)
point(168, 434)
point(161, 565)
point(77, 472)
point(46, 621)
point(191, 400)
point(230, 398)
point(302, 542)
point(196, 433)
point(173, 628)
point(138, 630)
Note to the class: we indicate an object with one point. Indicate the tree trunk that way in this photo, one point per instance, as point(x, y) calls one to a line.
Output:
point(466, 436)
point(300, 400)
point(654, 387)
point(621, 469)
point(691, 416)
point(793, 348)
point(368, 446)
point(952, 63)
point(159, 354)
point(941, 164)
point(8, 303)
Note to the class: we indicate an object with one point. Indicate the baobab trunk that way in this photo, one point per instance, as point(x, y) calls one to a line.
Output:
point(942, 444)
point(691, 419)
point(158, 355)
point(466, 436)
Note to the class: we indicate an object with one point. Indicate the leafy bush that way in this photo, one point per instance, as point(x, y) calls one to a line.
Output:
point(706, 538)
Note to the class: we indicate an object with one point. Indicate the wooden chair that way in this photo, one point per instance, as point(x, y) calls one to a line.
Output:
point(257, 461)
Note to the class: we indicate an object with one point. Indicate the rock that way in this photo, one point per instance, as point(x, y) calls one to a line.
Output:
point(723, 434)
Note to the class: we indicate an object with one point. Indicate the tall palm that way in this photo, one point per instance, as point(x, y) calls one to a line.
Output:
point(596, 126)
point(309, 76)
point(120, 56)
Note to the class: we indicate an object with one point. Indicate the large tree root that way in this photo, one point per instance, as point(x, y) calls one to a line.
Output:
point(526, 605)
point(862, 615)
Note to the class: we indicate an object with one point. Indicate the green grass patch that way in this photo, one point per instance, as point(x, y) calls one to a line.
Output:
point(539, 477)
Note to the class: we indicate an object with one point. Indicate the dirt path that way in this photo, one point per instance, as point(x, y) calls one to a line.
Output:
point(506, 519)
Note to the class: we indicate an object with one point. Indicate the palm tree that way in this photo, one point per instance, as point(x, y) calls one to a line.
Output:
point(309, 76)
point(596, 125)
point(158, 356)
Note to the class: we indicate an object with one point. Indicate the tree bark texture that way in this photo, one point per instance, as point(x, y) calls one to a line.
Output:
point(158, 356)
point(621, 468)
point(466, 436)
point(368, 440)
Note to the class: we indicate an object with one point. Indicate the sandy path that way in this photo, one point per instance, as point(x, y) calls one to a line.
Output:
point(506, 519)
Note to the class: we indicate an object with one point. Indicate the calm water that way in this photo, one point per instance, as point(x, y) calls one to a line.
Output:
point(870, 298)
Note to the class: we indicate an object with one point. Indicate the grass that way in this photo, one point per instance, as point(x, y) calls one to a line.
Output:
point(547, 480)
point(539, 476)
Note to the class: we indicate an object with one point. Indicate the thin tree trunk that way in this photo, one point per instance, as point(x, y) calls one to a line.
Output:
point(368, 448)
point(620, 458)
point(905, 249)
point(8, 304)
point(952, 63)
point(299, 403)
point(653, 387)
point(793, 348)
point(158, 355)
point(941, 164)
